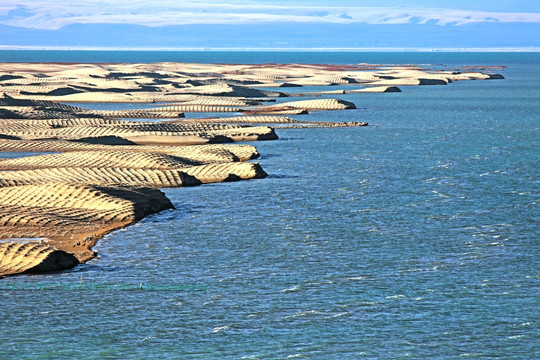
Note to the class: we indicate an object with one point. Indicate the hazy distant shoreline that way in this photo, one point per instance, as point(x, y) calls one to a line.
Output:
point(268, 49)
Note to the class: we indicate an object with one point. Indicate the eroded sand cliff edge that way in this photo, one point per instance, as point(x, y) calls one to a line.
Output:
point(103, 168)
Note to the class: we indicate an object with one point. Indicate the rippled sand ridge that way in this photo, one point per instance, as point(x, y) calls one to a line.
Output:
point(103, 172)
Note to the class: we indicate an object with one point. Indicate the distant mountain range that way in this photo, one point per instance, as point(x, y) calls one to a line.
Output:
point(279, 35)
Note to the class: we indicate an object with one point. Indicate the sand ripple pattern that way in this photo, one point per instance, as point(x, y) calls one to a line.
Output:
point(106, 170)
point(69, 217)
point(198, 153)
point(100, 159)
point(322, 104)
point(195, 108)
point(256, 119)
point(135, 177)
point(100, 176)
point(73, 129)
point(18, 258)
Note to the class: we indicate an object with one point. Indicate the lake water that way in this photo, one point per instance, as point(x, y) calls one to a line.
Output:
point(416, 237)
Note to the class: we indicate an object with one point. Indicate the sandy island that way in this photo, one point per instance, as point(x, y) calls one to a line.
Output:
point(105, 171)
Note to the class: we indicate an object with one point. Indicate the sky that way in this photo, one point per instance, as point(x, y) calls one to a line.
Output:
point(187, 23)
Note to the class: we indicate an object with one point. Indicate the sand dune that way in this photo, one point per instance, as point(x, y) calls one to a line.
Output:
point(195, 108)
point(256, 119)
point(18, 258)
point(375, 89)
point(102, 159)
point(128, 176)
point(276, 110)
point(200, 153)
point(187, 133)
point(104, 169)
point(211, 101)
point(72, 217)
point(322, 104)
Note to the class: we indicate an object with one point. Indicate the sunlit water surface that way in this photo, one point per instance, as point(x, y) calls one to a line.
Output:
point(415, 237)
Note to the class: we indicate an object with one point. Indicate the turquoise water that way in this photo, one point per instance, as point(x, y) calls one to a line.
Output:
point(416, 237)
point(96, 56)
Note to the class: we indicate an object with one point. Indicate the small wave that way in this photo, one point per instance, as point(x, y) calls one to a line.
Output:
point(435, 268)
point(220, 328)
point(412, 270)
point(304, 314)
point(445, 165)
point(293, 289)
point(471, 355)
point(337, 315)
point(515, 337)
point(211, 300)
point(307, 313)
point(521, 192)
point(393, 297)
point(294, 356)
point(369, 303)
point(440, 194)
point(282, 176)
point(363, 304)
point(357, 278)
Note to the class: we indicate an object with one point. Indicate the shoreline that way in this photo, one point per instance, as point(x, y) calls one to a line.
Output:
point(106, 170)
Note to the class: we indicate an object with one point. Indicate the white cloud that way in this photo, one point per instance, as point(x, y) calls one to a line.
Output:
point(52, 15)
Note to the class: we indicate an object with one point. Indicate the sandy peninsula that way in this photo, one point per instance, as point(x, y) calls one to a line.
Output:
point(103, 169)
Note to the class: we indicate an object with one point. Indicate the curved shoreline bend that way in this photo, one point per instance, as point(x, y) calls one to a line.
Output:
point(105, 171)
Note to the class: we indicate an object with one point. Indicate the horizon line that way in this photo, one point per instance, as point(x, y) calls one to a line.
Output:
point(272, 49)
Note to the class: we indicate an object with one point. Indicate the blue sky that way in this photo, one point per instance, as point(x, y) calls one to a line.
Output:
point(49, 16)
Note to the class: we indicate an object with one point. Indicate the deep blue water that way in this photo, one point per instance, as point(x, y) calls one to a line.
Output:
point(416, 237)
point(104, 56)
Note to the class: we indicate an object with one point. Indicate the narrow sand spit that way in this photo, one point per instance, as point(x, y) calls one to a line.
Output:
point(105, 171)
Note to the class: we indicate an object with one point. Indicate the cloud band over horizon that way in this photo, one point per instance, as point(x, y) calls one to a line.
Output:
point(45, 15)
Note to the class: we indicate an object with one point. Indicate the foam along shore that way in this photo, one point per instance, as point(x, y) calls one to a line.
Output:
point(105, 171)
